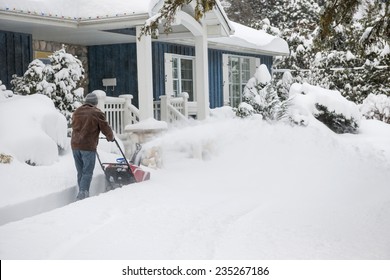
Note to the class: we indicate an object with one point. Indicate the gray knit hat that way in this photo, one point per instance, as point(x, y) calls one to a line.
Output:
point(91, 98)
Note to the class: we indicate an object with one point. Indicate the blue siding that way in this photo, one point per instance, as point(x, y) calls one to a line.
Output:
point(119, 61)
point(114, 61)
point(15, 55)
point(215, 78)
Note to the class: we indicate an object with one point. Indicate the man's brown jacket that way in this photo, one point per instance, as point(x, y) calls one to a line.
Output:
point(87, 123)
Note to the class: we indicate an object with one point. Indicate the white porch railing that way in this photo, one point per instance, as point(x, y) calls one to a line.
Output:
point(119, 111)
point(171, 109)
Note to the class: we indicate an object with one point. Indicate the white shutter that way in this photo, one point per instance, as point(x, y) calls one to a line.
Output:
point(168, 74)
point(225, 73)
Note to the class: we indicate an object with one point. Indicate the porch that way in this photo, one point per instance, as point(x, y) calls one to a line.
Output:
point(124, 117)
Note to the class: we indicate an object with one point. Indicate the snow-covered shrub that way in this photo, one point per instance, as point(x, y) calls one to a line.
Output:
point(261, 97)
point(4, 93)
point(326, 106)
point(376, 107)
point(245, 110)
point(34, 80)
point(33, 131)
point(60, 80)
point(338, 123)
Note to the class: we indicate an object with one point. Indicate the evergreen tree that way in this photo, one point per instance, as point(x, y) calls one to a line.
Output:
point(352, 58)
point(264, 97)
point(338, 12)
point(58, 80)
point(34, 79)
point(361, 68)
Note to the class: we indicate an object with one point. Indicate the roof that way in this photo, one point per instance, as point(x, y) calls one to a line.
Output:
point(249, 38)
point(79, 9)
point(85, 22)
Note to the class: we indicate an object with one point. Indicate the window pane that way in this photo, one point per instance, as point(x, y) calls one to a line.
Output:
point(187, 86)
point(236, 95)
point(175, 71)
point(245, 70)
point(175, 87)
point(186, 69)
point(239, 75)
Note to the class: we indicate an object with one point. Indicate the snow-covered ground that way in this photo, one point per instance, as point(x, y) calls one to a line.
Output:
point(228, 189)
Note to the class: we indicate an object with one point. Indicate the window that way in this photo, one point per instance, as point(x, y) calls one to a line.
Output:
point(43, 56)
point(237, 72)
point(180, 75)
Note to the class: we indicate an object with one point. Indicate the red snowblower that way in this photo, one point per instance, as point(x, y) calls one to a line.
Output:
point(124, 172)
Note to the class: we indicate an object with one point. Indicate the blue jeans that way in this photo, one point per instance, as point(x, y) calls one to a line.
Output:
point(85, 164)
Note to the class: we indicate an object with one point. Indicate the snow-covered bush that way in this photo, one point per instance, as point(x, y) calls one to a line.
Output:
point(338, 123)
point(376, 107)
point(34, 80)
point(32, 129)
point(326, 106)
point(261, 97)
point(60, 80)
point(4, 93)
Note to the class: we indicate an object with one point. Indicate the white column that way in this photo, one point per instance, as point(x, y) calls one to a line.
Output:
point(145, 75)
point(202, 75)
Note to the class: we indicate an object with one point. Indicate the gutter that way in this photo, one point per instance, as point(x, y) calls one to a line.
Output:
point(40, 19)
point(122, 20)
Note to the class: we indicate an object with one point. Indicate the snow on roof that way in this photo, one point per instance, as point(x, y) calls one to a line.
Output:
point(247, 37)
point(243, 38)
point(77, 9)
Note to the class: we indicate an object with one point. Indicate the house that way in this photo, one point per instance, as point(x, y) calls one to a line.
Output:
point(210, 61)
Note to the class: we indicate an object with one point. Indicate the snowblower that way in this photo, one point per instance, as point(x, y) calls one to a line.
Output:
point(123, 172)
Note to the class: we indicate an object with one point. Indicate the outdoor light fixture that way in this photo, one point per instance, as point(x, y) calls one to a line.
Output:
point(109, 82)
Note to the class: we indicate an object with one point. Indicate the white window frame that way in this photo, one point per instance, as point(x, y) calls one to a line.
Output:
point(168, 57)
point(254, 64)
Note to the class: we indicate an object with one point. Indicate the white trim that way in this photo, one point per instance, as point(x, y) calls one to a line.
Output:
point(225, 73)
point(168, 59)
point(168, 74)
point(145, 74)
point(189, 22)
point(202, 74)
point(254, 64)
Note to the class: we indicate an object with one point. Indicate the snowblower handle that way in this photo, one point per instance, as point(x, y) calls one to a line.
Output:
point(120, 149)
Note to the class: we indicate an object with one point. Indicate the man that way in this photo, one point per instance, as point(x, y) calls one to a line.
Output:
point(87, 123)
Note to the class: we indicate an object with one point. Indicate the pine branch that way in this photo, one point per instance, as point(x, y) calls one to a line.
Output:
point(168, 12)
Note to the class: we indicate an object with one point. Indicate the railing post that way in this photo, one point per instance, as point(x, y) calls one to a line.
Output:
point(185, 96)
point(164, 107)
point(126, 109)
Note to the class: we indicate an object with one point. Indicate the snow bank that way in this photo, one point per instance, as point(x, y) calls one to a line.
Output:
point(32, 129)
point(261, 191)
point(4, 93)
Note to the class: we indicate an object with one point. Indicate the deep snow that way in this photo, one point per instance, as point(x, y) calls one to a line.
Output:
point(228, 189)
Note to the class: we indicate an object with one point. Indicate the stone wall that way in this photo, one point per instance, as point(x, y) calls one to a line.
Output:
point(81, 52)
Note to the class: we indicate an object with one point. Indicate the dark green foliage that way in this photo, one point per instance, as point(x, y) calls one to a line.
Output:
point(338, 123)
